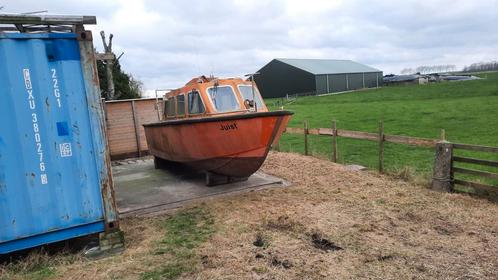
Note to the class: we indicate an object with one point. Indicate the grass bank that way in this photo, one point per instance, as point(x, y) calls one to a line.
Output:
point(468, 111)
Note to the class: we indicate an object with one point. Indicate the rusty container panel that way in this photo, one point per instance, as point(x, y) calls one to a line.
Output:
point(55, 180)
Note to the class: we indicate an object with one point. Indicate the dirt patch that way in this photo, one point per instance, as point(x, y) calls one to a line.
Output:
point(281, 263)
point(379, 258)
point(284, 223)
point(323, 244)
point(259, 242)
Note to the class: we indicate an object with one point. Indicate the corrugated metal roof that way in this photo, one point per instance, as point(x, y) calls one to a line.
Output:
point(328, 66)
point(401, 78)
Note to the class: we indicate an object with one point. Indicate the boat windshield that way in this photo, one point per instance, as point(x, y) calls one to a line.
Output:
point(195, 105)
point(246, 92)
point(223, 98)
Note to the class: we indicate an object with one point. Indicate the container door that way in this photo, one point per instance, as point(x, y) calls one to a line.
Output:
point(49, 180)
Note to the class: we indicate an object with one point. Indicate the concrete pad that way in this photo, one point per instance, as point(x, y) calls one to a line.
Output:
point(142, 190)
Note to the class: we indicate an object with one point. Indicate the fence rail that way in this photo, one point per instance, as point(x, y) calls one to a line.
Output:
point(476, 161)
point(397, 139)
point(473, 172)
point(474, 185)
point(380, 137)
point(444, 168)
point(477, 148)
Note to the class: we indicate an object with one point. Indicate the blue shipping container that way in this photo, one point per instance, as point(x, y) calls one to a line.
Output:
point(55, 180)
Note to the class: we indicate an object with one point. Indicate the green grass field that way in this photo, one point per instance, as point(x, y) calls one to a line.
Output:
point(468, 111)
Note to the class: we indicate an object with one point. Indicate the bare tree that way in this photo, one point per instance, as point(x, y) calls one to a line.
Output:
point(426, 69)
point(482, 66)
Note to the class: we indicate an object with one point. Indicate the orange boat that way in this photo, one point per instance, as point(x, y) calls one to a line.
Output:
point(219, 126)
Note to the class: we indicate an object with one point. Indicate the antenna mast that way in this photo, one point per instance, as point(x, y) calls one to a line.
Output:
point(251, 77)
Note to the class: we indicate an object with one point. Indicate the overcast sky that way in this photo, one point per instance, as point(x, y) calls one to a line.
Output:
point(168, 42)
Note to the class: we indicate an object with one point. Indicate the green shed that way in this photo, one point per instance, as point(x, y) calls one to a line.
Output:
point(284, 76)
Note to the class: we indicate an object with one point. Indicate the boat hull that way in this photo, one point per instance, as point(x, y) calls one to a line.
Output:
point(232, 145)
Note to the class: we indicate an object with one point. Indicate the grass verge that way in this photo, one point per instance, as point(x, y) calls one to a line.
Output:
point(37, 265)
point(185, 231)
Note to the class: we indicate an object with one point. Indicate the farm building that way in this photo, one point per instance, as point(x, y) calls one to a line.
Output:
point(283, 76)
point(416, 79)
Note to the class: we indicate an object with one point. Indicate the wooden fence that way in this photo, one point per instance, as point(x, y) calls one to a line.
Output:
point(380, 137)
point(124, 120)
point(444, 169)
point(476, 173)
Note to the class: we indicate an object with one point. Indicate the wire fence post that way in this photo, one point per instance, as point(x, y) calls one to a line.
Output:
point(381, 146)
point(306, 138)
point(334, 141)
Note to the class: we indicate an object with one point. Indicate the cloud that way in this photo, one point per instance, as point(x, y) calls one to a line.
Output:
point(168, 42)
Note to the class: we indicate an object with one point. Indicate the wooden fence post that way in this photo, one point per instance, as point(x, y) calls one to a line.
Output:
point(443, 135)
point(381, 146)
point(334, 141)
point(441, 179)
point(277, 146)
point(306, 138)
point(137, 128)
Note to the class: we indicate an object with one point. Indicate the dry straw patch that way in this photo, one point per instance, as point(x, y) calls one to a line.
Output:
point(141, 235)
point(386, 229)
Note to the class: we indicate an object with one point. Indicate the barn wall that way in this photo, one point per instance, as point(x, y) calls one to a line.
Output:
point(344, 82)
point(337, 82)
point(371, 80)
point(355, 81)
point(321, 84)
point(379, 78)
point(120, 124)
point(277, 79)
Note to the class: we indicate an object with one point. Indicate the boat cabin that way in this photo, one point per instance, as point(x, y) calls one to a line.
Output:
point(204, 96)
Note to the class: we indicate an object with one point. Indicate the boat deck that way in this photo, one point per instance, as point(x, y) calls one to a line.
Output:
point(142, 190)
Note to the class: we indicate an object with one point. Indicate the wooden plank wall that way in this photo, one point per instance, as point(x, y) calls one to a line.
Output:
point(122, 131)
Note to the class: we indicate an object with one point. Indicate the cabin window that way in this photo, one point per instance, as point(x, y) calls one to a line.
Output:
point(246, 92)
point(180, 100)
point(170, 107)
point(195, 105)
point(223, 98)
